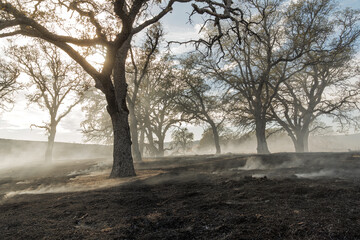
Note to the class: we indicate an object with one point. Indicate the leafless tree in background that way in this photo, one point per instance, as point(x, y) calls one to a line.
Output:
point(141, 60)
point(158, 111)
point(59, 85)
point(97, 124)
point(8, 84)
point(326, 85)
point(93, 24)
point(197, 100)
point(182, 139)
point(255, 69)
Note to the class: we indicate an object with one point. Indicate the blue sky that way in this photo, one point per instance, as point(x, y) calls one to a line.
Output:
point(16, 123)
point(350, 3)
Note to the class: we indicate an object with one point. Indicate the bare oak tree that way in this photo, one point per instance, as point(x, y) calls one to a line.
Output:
point(59, 84)
point(326, 85)
point(157, 104)
point(8, 84)
point(182, 139)
point(197, 100)
point(141, 59)
point(255, 69)
point(91, 24)
point(97, 124)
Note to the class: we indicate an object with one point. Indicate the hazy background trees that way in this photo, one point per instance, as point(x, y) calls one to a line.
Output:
point(256, 68)
point(79, 29)
point(326, 84)
point(96, 127)
point(142, 63)
point(8, 84)
point(151, 102)
point(296, 66)
point(182, 140)
point(56, 85)
point(198, 99)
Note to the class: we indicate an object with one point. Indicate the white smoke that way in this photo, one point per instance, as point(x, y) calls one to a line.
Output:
point(321, 173)
point(256, 163)
point(90, 181)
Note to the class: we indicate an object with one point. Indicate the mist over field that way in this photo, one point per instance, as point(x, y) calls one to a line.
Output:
point(282, 143)
point(17, 152)
point(213, 119)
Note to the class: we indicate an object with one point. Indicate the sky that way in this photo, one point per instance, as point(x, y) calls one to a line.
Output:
point(15, 124)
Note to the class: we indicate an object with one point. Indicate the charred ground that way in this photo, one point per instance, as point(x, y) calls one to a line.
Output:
point(279, 196)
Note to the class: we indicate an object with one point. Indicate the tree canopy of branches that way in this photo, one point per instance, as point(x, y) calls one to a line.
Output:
point(87, 26)
point(80, 28)
point(8, 84)
point(59, 84)
point(97, 124)
point(197, 100)
point(325, 85)
point(255, 69)
point(150, 76)
point(158, 111)
point(182, 139)
point(141, 61)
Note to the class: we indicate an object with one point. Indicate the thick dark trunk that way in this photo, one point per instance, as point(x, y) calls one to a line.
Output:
point(161, 149)
point(262, 147)
point(306, 142)
point(301, 142)
point(134, 135)
point(216, 138)
point(299, 145)
point(50, 145)
point(123, 162)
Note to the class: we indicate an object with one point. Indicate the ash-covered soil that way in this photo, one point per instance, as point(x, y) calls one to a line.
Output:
point(278, 196)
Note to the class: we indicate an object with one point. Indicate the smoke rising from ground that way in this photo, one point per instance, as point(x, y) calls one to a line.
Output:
point(27, 158)
point(321, 173)
point(61, 177)
point(21, 175)
point(257, 163)
point(90, 181)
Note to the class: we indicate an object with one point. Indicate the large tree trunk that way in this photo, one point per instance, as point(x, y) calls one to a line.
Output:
point(262, 147)
point(216, 137)
point(123, 162)
point(301, 142)
point(134, 134)
point(161, 149)
point(306, 142)
point(299, 145)
point(50, 145)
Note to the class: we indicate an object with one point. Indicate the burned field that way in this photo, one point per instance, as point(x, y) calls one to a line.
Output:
point(278, 196)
